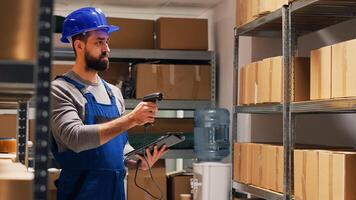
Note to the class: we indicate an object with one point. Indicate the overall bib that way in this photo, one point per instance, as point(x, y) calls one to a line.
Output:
point(95, 174)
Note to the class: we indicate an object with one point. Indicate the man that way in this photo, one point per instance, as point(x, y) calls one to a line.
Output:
point(87, 124)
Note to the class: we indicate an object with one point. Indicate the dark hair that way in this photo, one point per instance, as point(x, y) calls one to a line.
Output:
point(82, 37)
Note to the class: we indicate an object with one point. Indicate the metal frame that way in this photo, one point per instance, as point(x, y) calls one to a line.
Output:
point(22, 132)
point(258, 192)
point(292, 20)
point(43, 85)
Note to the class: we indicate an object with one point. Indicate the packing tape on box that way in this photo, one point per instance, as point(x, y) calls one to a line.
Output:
point(171, 74)
point(154, 69)
point(195, 88)
point(197, 73)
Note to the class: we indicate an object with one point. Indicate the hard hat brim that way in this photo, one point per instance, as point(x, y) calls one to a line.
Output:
point(109, 28)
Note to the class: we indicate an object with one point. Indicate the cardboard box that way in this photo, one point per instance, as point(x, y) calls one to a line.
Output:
point(263, 81)
point(344, 69)
point(178, 184)
point(164, 125)
point(116, 74)
point(320, 73)
point(59, 69)
point(257, 165)
point(276, 87)
point(280, 169)
point(237, 172)
point(242, 162)
point(249, 10)
point(251, 83)
point(20, 37)
point(8, 124)
point(325, 175)
point(240, 88)
point(246, 11)
point(133, 33)
point(266, 7)
point(306, 174)
point(144, 180)
point(270, 80)
point(269, 169)
point(184, 34)
point(243, 86)
point(246, 163)
point(57, 43)
point(174, 81)
point(343, 176)
point(336, 175)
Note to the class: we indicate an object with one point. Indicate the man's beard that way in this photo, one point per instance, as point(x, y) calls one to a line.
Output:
point(97, 64)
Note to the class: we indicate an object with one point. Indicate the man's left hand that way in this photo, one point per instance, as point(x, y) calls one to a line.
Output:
point(151, 158)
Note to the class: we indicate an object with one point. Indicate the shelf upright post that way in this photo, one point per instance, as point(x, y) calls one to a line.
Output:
point(287, 96)
point(43, 85)
point(22, 131)
point(236, 84)
point(213, 79)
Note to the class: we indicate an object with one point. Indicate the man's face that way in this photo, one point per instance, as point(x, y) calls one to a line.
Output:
point(96, 51)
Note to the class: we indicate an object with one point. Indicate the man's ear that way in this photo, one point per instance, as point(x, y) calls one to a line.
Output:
point(79, 46)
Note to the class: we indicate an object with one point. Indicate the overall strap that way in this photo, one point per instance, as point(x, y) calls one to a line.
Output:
point(76, 84)
point(110, 93)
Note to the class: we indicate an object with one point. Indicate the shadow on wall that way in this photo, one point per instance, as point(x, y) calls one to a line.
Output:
point(266, 128)
point(327, 129)
point(323, 129)
point(334, 34)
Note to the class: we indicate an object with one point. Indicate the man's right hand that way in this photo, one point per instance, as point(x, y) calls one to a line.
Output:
point(143, 113)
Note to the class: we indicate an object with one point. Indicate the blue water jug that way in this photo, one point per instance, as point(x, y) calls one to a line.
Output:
point(211, 134)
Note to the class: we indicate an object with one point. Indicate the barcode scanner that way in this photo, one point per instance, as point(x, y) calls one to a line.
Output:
point(153, 97)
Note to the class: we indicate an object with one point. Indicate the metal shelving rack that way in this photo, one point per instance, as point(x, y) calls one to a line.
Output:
point(153, 55)
point(19, 82)
point(165, 56)
point(290, 22)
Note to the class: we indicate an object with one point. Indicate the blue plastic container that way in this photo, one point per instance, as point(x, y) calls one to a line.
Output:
point(211, 134)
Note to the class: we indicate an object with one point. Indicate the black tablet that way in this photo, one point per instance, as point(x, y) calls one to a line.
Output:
point(169, 140)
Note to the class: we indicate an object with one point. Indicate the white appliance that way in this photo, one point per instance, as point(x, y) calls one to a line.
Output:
point(211, 181)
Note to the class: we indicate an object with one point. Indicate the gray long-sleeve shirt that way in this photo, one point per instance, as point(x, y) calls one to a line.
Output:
point(68, 113)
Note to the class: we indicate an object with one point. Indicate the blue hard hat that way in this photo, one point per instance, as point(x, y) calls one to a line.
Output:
point(84, 20)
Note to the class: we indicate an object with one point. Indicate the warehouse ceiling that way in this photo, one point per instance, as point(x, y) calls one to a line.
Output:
point(154, 7)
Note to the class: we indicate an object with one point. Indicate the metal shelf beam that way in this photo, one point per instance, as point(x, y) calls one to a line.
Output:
point(145, 55)
point(260, 109)
point(180, 153)
point(173, 104)
point(258, 192)
point(343, 105)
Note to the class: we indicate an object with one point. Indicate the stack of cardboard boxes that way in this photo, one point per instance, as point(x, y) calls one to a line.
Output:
point(319, 172)
point(332, 71)
point(262, 81)
point(260, 165)
point(322, 174)
point(248, 10)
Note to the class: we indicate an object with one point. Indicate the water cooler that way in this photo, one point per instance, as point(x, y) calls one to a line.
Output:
point(212, 178)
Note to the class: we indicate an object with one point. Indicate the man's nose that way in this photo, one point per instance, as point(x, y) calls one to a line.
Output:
point(106, 48)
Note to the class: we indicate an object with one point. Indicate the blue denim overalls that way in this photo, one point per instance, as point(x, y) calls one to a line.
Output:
point(95, 173)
